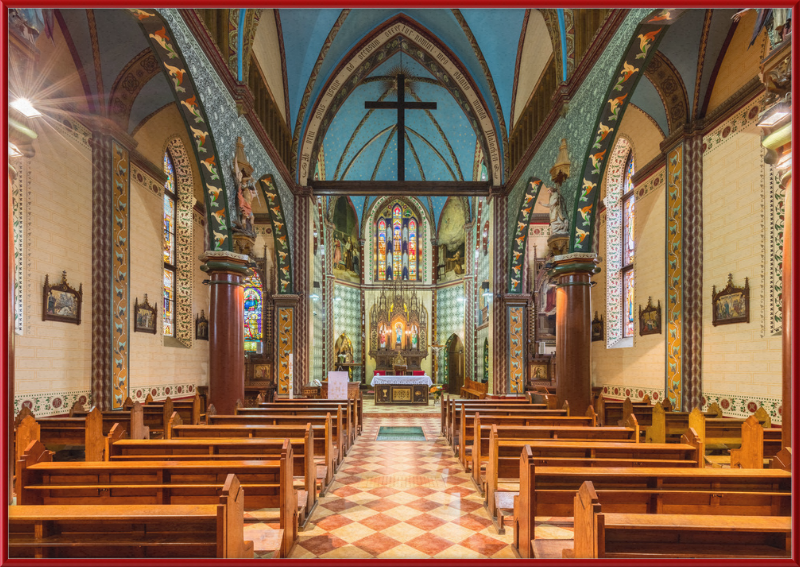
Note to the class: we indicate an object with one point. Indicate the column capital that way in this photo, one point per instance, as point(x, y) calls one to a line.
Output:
point(224, 261)
point(574, 263)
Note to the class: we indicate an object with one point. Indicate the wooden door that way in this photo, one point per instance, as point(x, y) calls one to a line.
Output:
point(455, 364)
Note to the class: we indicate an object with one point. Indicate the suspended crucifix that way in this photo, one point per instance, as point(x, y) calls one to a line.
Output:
point(401, 105)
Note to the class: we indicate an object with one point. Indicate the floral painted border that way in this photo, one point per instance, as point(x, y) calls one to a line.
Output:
point(743, 119)
point(613, 211)
point(21, 167)
point(615, 391)
point(744, 406)
point(285, 348)
point(520, 241)
point(674, 336)
point(640, 51)
point(516, 349)
point(120, 271)
point(163, 391)
point(774, 225)
point(650, 185)
point(56, 403)
point(280, 234)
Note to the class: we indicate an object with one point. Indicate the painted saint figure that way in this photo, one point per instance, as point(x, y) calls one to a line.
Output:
point(398, 335)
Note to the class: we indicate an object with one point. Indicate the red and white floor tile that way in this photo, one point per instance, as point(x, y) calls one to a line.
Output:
point(404, 500)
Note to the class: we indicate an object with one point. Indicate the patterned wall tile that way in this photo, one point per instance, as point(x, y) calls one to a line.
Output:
point(516, 349)
point(744, 406)
point(285, 348)
point(347, 319)
point(55, 403)
point(120, 274)
point(450, 320)
point(674, 274)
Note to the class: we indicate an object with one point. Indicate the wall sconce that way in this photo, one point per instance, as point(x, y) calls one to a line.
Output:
point(774, 115)
point(25, 107)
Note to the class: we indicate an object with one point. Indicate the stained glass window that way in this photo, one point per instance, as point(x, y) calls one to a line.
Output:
point(397, 238)
point(627, 304)
point(397, 244)
point(252, 312)
point(628, 215)
point(170, 205)
point(169, 302)
point(412, 250)
point(382, 250)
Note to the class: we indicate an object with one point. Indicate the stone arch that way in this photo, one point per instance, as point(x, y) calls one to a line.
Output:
point(638, 55)
point(520, 240)
point(283, 256)
point(184, 238)
point(671, 89)
point(187, 97)
point(399, 34)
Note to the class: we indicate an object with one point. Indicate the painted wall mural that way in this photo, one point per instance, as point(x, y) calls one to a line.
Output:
point(279, 231)
point(516, 349)
point(285, 348)
point(183, 88)
point(452, 240)
point(520, 241)
point(345, 245)
point(120, 275)
point(641, 49)
point(674, 275)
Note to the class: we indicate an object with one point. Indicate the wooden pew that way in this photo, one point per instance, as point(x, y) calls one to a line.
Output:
point(132, 420)
point(503, 463)
point(751, 449)
point(190, 409)
point(602, 534)
point(450, 402)
point(614, 412)
point(337, 426)
point(547, 491)
point(350, 412)
point(665, 426)
point(359, 403)
point(65, 431)
point(345, 411)
point(455, 413)
point(541, 418)
point(156, 414)
point(577, 433)
point(134, 530)
point(267, 484)
point(472, 389)
point(324, 450)
point(231, 449)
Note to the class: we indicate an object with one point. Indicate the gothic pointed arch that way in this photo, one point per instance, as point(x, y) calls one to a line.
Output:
point(400, 33)
point(520, 231)
point(670, 88)
point(283, 257)
point(639, 53)
point(193, 112)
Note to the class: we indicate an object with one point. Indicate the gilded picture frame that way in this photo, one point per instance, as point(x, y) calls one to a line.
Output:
point(61, 302)
point(731, 304)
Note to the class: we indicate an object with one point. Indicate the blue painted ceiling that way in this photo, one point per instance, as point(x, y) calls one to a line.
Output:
point(496, 33)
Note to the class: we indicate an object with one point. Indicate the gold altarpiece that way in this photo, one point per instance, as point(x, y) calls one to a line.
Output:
point(398, 326)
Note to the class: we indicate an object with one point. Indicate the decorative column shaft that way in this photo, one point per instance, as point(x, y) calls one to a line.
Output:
point(574, 329)
point(110, 382)
point(499, 328)
point(227, 272)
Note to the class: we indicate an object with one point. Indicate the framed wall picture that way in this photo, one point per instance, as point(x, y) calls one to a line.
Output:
point(61, 302)
point(598, 328)
point(538, 370)
point(144, 317)
point(650, 318)
point(201, 326)
point(732, 304)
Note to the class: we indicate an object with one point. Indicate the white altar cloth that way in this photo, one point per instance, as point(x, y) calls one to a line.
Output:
point(406, 380)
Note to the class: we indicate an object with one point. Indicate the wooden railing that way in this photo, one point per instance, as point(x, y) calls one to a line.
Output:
point(537, 109)
point(217, 22)
point(268, 113)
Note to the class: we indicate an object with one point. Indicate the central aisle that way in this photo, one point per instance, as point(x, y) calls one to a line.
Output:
point(401, 499)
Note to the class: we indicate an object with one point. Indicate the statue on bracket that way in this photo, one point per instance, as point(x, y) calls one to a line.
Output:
point(244, 226)
point(559, 224)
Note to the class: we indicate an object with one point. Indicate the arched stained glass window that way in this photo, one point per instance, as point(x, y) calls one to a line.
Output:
point(412, 250)
point(170, 206)
point(253, 304)
point(381, 250)
point(397, 244)
point(397, 241)
point(628, 215)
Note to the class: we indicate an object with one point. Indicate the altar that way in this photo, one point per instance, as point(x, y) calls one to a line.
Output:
point(402, 389)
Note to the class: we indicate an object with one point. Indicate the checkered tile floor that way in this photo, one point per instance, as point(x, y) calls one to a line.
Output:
point(402, 500)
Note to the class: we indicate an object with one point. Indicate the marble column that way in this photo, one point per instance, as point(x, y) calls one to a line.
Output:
point(227, 271)
point(574, 329)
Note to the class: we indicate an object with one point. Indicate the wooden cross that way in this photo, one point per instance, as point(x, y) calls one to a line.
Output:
point(401, 105)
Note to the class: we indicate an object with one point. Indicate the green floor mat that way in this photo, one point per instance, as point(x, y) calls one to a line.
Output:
point(401, 434)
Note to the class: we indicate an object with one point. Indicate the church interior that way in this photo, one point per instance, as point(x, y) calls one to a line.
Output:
point(399, 283)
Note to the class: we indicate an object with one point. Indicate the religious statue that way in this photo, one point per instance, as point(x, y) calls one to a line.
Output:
point(778, 22)
point(398, 335)
point(559, 224)
point(414, 337)
point(245, 190)
point(383, 337)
